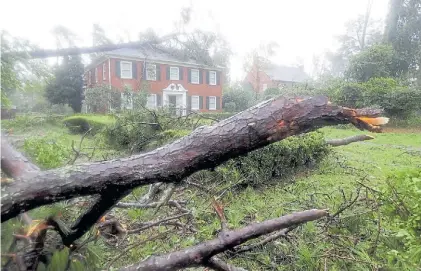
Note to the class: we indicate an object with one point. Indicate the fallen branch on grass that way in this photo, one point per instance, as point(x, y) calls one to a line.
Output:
point(199, 255)
point(348, 140)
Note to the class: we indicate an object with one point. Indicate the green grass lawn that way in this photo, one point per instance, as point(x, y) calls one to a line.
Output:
point(328, 186)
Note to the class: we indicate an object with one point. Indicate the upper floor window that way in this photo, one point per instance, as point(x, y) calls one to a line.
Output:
point(96, 75)
point(195, 103)
point(126, 70)
point(151, 103)
point(212, 103)
point(150, 72)
point(212, 78)
point(104, 77)
point(174, 73)
point(194, 76)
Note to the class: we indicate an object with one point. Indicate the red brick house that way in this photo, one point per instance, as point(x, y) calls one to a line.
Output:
point(183, 84)
point(275, 76)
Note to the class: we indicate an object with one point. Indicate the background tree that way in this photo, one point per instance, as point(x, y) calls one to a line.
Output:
point(99, 38)
point(67, 86)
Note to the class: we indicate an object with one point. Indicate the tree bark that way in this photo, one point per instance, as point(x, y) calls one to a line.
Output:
point(205, 148)
point(200, 254)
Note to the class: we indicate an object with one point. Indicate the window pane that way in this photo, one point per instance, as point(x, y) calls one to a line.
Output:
point(212, 78)
point(195, 102)
point(195, 76)
point(212, 103)
point(151, 101)
point(150, 72)
point(126, 69)
point(174, 73)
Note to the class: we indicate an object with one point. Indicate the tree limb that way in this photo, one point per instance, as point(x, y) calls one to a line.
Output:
point(348, 140)
point(200, 254)
point(205, 148)
point(219, 265)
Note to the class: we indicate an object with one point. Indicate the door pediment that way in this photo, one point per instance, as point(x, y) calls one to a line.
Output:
point(175, 87)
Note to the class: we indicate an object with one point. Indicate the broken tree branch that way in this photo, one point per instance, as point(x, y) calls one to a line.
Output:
point(200, 254)
point(219, 265)
point(205, 148)
point(86, 50)
point(348, 140)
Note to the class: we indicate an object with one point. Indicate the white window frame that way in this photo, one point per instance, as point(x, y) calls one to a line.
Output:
point(210, 97)
point(148, 68)
point(198, 102)
point(89, 77)
point(198, 76)
point(122, 75)
point(265, 86)
point(155, 101)
point(125, 104)
point(96, 75)
point(212, 83)
point(104, 77)
point(172, 69)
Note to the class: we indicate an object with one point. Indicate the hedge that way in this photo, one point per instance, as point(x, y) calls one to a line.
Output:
point(82, 123)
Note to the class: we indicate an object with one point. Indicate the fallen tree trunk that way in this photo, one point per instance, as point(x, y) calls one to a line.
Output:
point(200, 254)
point(205, 148)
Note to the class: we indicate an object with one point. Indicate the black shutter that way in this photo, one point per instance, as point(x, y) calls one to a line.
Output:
point(200, 76)
point(144, 71)
point(207, 102)
point(188, 104)
point(134, 70)
point(218, 101)
point(168, 72)
point(180, 73)
point(207, 77)
point(158, 72)
point(201, 102)
point(117, 69)
point(218, 77)
point(189, 75)
point(158, 100)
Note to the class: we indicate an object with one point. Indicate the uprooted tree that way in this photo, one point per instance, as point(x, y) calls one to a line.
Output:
point(205, 148)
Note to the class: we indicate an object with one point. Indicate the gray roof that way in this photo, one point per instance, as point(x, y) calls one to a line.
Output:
point(149, 53)
point(285, 73)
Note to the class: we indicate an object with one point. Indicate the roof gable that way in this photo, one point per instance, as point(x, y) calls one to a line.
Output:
point(286, 73)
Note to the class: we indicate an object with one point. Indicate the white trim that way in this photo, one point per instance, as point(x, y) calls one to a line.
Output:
point(147, 73)
point(198, 76)
point(96, 75)
point(198, 102)
point(209, 79)
point(210, 103)
point(155, 101)
point(103, 71)
point(178, 73)
point(89, 78)
point(121, 70)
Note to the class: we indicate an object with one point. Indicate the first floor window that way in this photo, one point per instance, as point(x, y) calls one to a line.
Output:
point(194, 76)
point(195, 103)
point(265, 86)
point(151, 101)
point(96, 75)
point(212, 103)
point(212, 78)
point(126, 70)
point(127, 100)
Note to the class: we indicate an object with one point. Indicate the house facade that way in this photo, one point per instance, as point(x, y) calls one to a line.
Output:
point(185, 85)
point(275, 76)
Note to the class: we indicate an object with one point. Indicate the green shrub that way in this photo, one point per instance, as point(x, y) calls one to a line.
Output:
point(47, 153)
point(82, 123)
point(401, 210)
point(280, 159)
